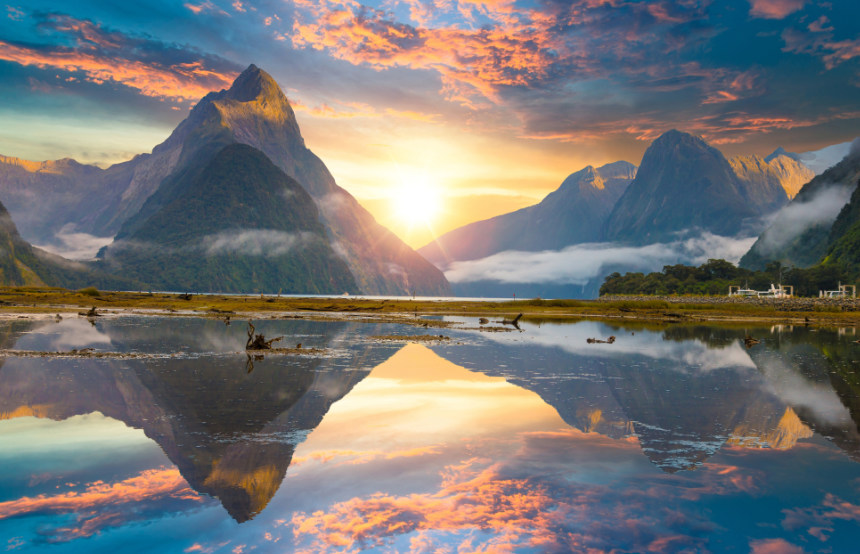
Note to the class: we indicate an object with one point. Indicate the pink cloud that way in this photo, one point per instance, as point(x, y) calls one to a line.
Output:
point(775, 9)
point(774, 546)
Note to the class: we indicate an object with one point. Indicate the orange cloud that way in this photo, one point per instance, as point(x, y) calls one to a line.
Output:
point(184, 81)
point(471, 62)
point(515, 511)
point(103, 504)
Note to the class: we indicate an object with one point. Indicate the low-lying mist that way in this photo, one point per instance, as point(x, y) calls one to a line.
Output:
point(581, 264)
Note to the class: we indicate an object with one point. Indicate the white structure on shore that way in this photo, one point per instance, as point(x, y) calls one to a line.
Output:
point(775, 291)
point(844, 291)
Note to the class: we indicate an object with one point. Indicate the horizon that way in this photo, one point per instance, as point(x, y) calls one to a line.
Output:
point(518, 95)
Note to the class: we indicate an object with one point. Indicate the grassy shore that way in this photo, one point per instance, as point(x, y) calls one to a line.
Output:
point(23, 300)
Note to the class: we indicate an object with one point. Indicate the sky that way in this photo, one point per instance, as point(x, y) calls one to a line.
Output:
point(476, 107)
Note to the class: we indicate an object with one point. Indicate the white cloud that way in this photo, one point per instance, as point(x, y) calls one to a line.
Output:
point(580, 263)
point(795, 218)
point(74, 245)
point(254, 242)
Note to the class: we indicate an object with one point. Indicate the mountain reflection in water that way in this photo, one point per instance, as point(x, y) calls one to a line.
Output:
point(528, 441)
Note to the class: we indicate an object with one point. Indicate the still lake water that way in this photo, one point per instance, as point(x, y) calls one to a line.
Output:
point(671, 439)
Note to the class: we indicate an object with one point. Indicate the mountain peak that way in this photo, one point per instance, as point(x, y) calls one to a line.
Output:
point(780, 151)
point(252, 84)
point(676, 137)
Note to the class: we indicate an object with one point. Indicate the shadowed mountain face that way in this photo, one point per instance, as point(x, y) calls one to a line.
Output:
point(230, 432)
point(800, 235)
point(232, 223)
point(574, 213)
point(682, 184)
point(843, 243)
point(45, 196)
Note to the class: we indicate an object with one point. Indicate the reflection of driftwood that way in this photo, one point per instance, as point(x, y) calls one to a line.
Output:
point(258, 341)
point(90, 313)
point(515, 321)
point(249, 365)
point(749, 342)
point(610, 340)
point(227, 320)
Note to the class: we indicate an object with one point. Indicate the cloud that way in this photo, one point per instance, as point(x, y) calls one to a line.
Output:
point(481, 506)
point(156, 69)
point(774, 546)
point(819, 520)
point(581, 263)
point(254, 242)
point(101, 505)
point(795, 218)
point(75, 245)
point(268, 243)
point(490, 47)
point(821, 44)
point(775, 9)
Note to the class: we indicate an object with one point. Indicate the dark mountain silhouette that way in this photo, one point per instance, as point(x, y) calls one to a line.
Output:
point(684, 184)
point(230, 223)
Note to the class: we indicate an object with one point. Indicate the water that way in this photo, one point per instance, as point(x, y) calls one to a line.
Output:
point(670, 439)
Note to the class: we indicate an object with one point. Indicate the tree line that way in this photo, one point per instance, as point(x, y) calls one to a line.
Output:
point(716, 276)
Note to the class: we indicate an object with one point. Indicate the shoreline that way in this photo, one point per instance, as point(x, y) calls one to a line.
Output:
point(20, 302)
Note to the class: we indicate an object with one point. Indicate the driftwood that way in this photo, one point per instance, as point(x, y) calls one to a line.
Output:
point(91, 313)
point(258, 341)
point(515, 321)
point(750, 341)
point(610, 340)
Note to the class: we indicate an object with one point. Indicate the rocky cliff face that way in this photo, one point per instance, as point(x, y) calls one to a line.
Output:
point(776, 179)
point(683, 184)
point(574, 213)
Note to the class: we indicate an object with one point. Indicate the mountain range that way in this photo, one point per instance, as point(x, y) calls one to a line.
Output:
point(127, 198)
point(683, 188)
point(181, 218)
point(573, 213)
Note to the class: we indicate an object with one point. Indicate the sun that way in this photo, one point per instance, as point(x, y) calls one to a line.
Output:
point(416, 201)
